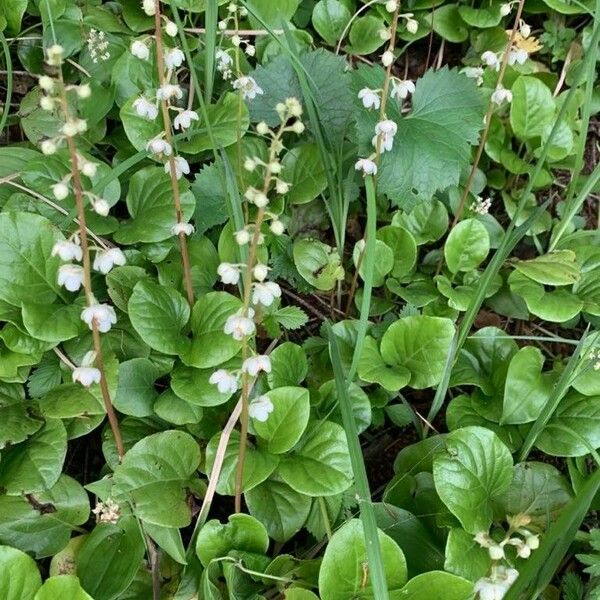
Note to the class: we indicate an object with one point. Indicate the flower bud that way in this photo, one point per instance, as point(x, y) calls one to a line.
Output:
point(46, 83)
point(387, 58)
point(262, 128)
point(48, 147)
point(60, 190)
point(171, 29)
point(84, 91)
point(391, 6)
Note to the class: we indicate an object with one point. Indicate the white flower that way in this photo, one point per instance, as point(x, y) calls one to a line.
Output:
point(298, 127)
point(257, 197)
point(262, 128)
point(60, 190)
point(149, 7)
point(159, 146)
point(391, 5)
point(224, 61)
point(248, 86)
point(46, 83)
point(260, 272)
point(86, 375)
point(496, 551)
point(48, 147)
point(370, 98)
point(255, 364)
point(47, 103)
point(181, 167)
point(70, 129)
point(481, 206)
point(385, 130)
point(533, 541)
point(184, 119)
point(474, 73)
point(412, 26)
point(402, 88)
point(229, 273)
point(84, 91)
point(277, 227)
point(226, 382)
point(105, 261)
point(185, 228)
point(242, 237)
point(239, 326)
point(145, 108)
point(71, 276)
point(103, 316)
point(387, 58)
point(107, 512)
point(524, 29)
point(89, 168)
point(265, 293)
point(491, 59)
point(517, 55)
point(54, 55)
point(101, 207)
point(501, 95)
point(505, 9)
point(140, 50)
point(168, 91)
point(171, 29)
point(366, 165)
point(67, 251)
point(174, 58)
point(260, 408)
point(490, 590)
point(282, 187)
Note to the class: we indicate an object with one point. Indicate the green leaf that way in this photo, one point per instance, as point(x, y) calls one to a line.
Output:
point(373, 369)
point(581, 415)
point(291, 317)
point(53, 323)
point(303, 168)
point(159, 313)
point(19, 575)
point(426, 222)
point(192, 385)
point(150, 204)
point(35, 464)
point(257, 466)
point(474, 468)
point(467, 246)
point(556, 268)
point(448, 23)
point(532, 107)
point(286, 424)
point(242, 533)
point(482, 17)
point(527, 389)
point(136, 393)
point(318, 263)
point(210, 345)
point(319, 464)
point(421, 345)
point(211, 205)
point(279, 508)
point(154, 474)
point(173, 409)
point(28, 271)
point(120, 283)
point(433, 141)
point(271, 13)
point(62, 586)
point(110, 558)
point(344, 571)
point(169, 539)
point(288, 365)
point(330, 18)
point(41, 523)
point(13, 11)
point(70, 400)
point(437, 584)
point(403, 246)
point(364, 35)
point(384, 261)
point(465, 557)
point(17, 424)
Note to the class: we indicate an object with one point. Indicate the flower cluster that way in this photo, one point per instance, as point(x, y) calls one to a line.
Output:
point(107, 512)
point(594, 355)
point(481, 206)
point(502, 576)
point(97, 46)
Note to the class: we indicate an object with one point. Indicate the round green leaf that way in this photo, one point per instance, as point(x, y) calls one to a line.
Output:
point(330, 18)
point(287, 422)
point(474, 468)
point(318, 264)
point(173, 409)
point(136, 393)
point(427, 221)
point(532, 107)
point(555, 268)
point(437, 584)
point(342, 573)
point(364, 35)
point(19, 575)
point(404, 248)
point(384, 261)
point(447, 23)
point(62, 586)
point(304, 169)
point(465, 557)
point(288, 365)
point(17, 424)
point(467, 246)
point(373, 369)
point(192, 385)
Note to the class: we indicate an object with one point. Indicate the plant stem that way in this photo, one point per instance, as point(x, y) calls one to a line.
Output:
point(87, 277)
point(160, 65)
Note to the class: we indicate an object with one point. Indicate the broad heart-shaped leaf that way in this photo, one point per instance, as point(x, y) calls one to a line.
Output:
point(527, 389)
point(330, 18)
point(136, 393)
point(364, 35)
point(373, 369)
point(242, 532)
point(211, 346)
point(158, 313)
point(53, 323)
point(150, 204)
point(421, 345)
point(28, 271)
point(279, 508)
point(287, 422)
point(109, 558)
point(555, 268)
point(532, 107)
point(538, 490)
point(257, 466)
point(437, 584)
point(288, 365)
point(154, 474)
point(433, 142)
point(579, 414)
point(467, 246)
point(344, 570)
point(19, 575)
point(17, 424)
point(319, 465)
point(41, 524)
point(193, 386)
point(62, 586)
point(474, 468)
point(35, 464)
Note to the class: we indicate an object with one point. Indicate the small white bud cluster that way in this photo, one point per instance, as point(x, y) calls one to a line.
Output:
point(234, 12)
point(97, 45)
point(481, 206)
point(107, 512)
point(594, 355)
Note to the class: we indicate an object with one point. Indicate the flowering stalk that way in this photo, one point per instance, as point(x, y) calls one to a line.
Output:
point(97, 316)
point(181, 229)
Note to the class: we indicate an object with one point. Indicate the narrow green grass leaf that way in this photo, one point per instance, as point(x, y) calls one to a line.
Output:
point(9, 82)
point(210, 46)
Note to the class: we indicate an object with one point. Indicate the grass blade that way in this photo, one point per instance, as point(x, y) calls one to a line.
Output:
point(9, 83)
point(210, 45)
point(367, 514)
